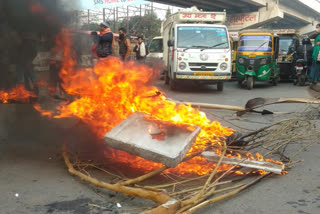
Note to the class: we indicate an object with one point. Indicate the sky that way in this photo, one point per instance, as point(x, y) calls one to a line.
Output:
point(161, 11)
point(314, 4)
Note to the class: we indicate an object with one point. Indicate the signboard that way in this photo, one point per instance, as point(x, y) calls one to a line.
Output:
point(234, 34)
point(242, 20)
point(285, 31)
point(202, 17)
point(99, 4)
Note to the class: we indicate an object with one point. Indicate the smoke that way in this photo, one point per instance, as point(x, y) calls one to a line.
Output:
point(23, 24)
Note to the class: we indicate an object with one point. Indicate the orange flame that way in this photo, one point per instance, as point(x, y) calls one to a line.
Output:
point(17, 94)
point(112, 90)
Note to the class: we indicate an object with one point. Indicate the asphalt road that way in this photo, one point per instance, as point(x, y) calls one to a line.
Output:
point(34, 179)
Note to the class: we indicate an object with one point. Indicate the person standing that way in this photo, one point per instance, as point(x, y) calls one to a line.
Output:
point(25, 75)
point(315, 69)
point(141, 50)
point(105, 41)
point(124, 45)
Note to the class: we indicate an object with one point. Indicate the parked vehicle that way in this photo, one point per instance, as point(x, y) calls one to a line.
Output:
point(304, 62)
point(302, 71)
point(155, 56)
point(288, 44)
point(234, 47)
point(257, 57)
point(195, 50)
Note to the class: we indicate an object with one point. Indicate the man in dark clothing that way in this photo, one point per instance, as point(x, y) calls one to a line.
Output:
point(124, 45)
point(105, 41)
point(25, 75)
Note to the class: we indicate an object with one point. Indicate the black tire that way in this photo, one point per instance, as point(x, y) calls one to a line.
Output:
point(295, 81)
point(166, 78)
point(220, 86)
point(275, 81)
point(249, 83)
point(172, 85)
point(302, 80)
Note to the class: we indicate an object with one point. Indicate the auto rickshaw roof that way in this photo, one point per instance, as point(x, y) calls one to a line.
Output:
point(260, 31)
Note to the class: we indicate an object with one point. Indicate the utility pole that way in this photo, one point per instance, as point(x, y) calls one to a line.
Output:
point(151, 34)
point(114, 19)
point(88, 16)
point(104, 14)
point(117, 17)
point(128, 19)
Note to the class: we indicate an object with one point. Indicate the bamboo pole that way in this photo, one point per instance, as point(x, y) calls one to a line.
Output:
point(158, 197)
point(225, 196)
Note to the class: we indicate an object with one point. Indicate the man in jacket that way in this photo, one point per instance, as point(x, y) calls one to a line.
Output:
point(124, 45)
point(141, 50)
point(105, 41)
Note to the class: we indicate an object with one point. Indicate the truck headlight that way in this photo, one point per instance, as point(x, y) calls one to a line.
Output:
point(241, 60)
point(182, 65)
point(223, 66)
point(263, 61)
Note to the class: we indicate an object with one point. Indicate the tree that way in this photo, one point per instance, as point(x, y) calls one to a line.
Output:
point(168, 13)
point(91, 27)
point(148, 25)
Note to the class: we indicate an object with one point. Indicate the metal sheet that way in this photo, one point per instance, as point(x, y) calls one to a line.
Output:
point(152, 140)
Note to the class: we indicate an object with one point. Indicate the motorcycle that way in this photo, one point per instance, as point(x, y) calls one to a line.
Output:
point(302, 70)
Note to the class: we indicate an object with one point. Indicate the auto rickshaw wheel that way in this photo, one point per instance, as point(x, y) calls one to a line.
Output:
point(275, 81)
point(249, 83)
point(220, 86)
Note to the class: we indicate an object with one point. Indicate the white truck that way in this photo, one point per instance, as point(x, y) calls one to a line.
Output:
point(196, 47)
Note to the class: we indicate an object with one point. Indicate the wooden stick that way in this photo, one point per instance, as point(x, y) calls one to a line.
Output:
point(143, 177)
point(197, 188)
point(214, 106)
point(168, 208)
point(228, 195)
point(213, 172)
point(158, 197)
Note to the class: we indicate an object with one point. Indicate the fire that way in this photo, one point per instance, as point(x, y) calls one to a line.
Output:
point(16, 94)
point(112, 90)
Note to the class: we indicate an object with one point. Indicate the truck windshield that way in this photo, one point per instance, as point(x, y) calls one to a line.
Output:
point(255, 43)
point(284, 45)
point(156, 46)
point(202, 37)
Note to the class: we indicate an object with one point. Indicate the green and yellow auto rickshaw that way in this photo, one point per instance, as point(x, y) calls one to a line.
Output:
point(257, 57)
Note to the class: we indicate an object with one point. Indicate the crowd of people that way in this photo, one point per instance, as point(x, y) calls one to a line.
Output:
point(103, 44)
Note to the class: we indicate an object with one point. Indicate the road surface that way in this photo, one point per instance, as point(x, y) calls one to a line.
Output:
point(34, 179)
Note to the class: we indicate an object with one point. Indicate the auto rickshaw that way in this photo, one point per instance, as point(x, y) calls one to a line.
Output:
point(288, 44)
point(234, 45)
point(257, 57)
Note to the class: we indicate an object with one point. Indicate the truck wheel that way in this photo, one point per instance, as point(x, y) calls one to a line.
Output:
point(250, 83)
point(220, 86)
point(172, 85)
point(166, 78)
